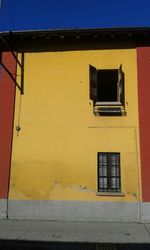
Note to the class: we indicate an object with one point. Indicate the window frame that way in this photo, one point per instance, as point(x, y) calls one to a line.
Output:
point(109, 190)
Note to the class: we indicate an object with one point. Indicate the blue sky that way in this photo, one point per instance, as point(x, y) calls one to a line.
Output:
point(62, 14)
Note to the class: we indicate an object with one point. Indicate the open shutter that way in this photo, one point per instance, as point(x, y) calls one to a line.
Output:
point(93, 83)
point(121, 85)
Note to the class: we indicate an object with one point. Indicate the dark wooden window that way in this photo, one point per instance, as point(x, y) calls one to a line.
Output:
point(109, 172)
point(106, 86)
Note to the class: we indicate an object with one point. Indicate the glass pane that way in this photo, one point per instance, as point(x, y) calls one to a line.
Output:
point(113, 170)
point(104, 162)
point(100, 159)
point(113, 160)
point(117, 159)
point(101, 183)
point(113, 183)
point(105, 182)
point(118, 183)
point(117, 172)
point(105, 171)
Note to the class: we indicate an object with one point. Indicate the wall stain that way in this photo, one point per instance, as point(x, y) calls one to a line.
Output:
point(72, 187)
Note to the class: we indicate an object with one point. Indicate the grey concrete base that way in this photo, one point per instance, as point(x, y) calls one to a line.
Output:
point(89, 232)
point(3, 208)
point(73, 210)
point(145, 212)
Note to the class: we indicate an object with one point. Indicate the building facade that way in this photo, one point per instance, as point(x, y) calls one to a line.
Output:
point(75, 125)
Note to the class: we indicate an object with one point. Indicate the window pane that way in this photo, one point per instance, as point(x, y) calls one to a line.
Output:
point(113, 170)
point(113, 183)
point(113, 159)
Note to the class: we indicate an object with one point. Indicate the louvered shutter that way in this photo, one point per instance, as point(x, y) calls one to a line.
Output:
point(121, 85)
point(93, 83)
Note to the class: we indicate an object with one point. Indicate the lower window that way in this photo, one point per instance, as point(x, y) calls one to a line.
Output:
point(109, 179)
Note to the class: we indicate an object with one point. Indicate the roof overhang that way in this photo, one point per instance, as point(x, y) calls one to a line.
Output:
point(106, 37)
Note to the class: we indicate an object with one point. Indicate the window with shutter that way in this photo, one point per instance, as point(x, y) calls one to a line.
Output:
point(107, 91)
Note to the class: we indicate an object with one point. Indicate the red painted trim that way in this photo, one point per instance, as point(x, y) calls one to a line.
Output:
point(7, 100)
point(143, 67)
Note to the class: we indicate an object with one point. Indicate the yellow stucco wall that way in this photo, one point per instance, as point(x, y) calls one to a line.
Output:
point(55, 155)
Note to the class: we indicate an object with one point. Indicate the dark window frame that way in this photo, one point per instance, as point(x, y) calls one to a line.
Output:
point(107, 180)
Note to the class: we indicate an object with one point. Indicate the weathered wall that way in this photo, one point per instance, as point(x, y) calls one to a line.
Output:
point(7, 100)
point(7, 94)
point(54, 156)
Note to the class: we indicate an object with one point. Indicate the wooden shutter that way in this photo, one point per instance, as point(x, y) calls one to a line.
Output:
point(93, 83)
point(121, 85)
